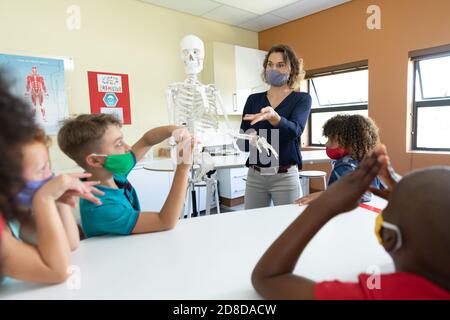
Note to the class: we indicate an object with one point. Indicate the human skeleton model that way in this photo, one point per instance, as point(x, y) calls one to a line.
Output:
point(36, 88)
point(196, 106)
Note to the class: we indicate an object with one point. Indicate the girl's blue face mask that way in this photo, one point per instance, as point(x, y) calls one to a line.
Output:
point(25, 197)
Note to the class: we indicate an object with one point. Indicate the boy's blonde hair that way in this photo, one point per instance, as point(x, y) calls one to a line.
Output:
point(81, 136)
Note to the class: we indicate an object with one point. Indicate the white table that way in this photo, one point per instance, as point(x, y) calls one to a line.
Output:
point(212, 257)
point(235, 161)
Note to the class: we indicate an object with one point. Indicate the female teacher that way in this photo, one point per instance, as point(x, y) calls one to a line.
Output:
point(280, 116)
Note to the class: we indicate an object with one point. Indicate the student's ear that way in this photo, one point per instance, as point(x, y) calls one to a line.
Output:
point(95, 161)
point(389, 239)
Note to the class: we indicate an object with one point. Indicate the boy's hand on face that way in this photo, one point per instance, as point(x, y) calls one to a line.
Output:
point(386, 174)
point(344, 194)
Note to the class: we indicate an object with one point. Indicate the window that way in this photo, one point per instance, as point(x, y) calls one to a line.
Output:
point(431, 109)
point(333, 93)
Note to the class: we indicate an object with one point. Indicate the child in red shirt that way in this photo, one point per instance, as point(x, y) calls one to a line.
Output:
point(414, 232)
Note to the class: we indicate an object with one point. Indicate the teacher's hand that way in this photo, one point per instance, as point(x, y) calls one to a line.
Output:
point(267, 113)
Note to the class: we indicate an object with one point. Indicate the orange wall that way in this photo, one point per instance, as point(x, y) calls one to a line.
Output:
point(340, 35)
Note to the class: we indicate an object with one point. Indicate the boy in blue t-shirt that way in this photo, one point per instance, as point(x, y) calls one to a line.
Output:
point(96, 143)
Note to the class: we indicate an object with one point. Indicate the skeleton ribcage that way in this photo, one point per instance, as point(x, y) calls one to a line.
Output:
point(195, 107)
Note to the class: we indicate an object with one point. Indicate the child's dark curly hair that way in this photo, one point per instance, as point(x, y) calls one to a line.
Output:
point(357, 133)
point(17, 128)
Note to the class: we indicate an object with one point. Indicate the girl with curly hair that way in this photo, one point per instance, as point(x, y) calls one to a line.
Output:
point(28, 188)
point(350, 139)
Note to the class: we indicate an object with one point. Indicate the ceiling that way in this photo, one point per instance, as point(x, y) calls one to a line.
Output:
point(253, 15)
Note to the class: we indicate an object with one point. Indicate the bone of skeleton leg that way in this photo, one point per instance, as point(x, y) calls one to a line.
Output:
point(205, 163)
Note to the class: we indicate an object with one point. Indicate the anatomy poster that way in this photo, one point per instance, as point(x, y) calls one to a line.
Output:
point(40, 81)
point(109, 93)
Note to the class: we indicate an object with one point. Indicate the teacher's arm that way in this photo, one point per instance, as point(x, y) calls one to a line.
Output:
point(291, 128)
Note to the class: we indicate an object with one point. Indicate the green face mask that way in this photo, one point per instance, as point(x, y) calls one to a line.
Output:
point(119, 164)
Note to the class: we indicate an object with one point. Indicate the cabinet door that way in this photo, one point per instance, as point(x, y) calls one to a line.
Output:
point(225, 75)
point(152, 187)
point(232, 183)
point(237, 74)
point(249, 66)
point(238, 182)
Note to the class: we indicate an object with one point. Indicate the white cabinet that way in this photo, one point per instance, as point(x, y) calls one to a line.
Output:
point(237, 74)
point(249, 66)
point(152, 187)
point(232, 182)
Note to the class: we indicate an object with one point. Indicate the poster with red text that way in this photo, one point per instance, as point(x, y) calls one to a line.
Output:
point(109, 93)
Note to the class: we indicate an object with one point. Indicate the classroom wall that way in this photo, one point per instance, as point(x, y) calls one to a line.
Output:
point(340, 35)
point(119, 36)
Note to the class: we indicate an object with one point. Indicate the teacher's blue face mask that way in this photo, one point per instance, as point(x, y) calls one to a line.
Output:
point(276, 78)
point(25, 197)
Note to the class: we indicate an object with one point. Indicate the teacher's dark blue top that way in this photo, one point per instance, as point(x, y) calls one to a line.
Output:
point(294, 112)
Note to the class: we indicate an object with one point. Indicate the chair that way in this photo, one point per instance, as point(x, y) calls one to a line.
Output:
point(306, 175)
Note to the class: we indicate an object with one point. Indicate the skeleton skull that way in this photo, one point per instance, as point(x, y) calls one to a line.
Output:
point(192, 54)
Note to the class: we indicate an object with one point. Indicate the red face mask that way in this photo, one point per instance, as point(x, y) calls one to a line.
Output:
point(336, 153)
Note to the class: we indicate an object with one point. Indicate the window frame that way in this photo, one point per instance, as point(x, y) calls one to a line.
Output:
point(334, 107)
point(425, 103)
